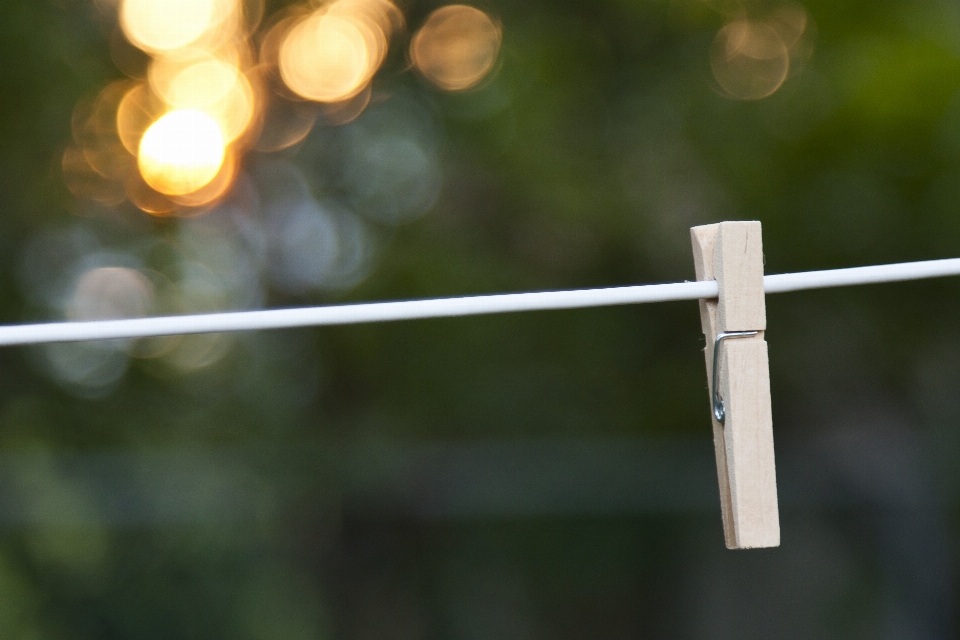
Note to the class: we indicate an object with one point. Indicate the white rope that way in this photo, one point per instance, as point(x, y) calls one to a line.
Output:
point(449, 307)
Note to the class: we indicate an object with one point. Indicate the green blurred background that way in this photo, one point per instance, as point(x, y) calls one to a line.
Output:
point(545, 475)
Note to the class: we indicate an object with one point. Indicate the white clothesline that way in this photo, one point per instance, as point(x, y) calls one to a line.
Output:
point(450, 307)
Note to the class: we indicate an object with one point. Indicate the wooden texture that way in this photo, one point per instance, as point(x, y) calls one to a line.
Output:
point(732, 254)
point(738, 270)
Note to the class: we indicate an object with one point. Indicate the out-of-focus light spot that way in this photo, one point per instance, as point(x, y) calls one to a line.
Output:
point(201, 85)
point(87, 369)
point(276, 32)
point(285, 123)
point(195, 352)
point(331, 55)
point(95, 132)
point(213, 190)
point(749, 60)
point(381, 14)
point(110, 292)
point(393, 179)
point(164, 25)
point(790, 21)
point(181, 152)
point(159, 297)
point(200, 291)
point(311, 245)
point(796, 29)
point(251, 12)
point(305, 245)
point(85, 182)
point(146, 198)
point(138, 109)
point(223, 247)
point(457, 47)
point(165, 69)
point(338, 113)
point(315, 246)
point(217, 89)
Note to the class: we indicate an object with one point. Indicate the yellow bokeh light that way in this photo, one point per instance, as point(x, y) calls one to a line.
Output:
point(330, 56)
point(164, 69)
point(218, 89)
point(181, 152)
point(148, 199)
point(165, 25)
point(212, 191)
point(202, 85)
point(383, 14)
point(457, 47)
point(138, 109)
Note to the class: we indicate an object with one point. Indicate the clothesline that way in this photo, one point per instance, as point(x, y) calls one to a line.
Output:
point(451, 307)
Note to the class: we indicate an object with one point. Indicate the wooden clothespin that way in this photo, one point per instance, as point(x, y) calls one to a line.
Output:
point(732, 254)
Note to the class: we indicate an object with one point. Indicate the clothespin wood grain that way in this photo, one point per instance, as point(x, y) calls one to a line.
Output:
point(732, 254)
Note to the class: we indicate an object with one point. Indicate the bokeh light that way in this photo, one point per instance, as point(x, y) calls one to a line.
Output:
point(138, 109)
point(285, 123)
point(165, 25)
point(83, 181)
point(150, 139)
point(110, 292)
point(330, 56)
point(216, 88)
point(146, 198)
point(181, 152)
point(791, 22)
point(457, 47)
point(749, 59)
point(95, 132)
point(212, 191)
point(312, 243)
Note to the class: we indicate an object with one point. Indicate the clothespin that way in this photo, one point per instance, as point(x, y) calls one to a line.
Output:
point(738, 377)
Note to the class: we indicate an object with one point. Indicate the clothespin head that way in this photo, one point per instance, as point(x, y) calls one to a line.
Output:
point(738, 376)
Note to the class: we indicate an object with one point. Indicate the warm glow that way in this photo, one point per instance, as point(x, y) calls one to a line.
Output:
point(148, 199)
point(181, 152)
point(749, 60)
point(165, 25)
point(202, 85)
point(138, 109)
point(331, 55)
point(381, 14)
point(211, 192)
point(338, 113)
point(457, 47)
point(95, 132)
point(219, 90)
point(164, 69)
